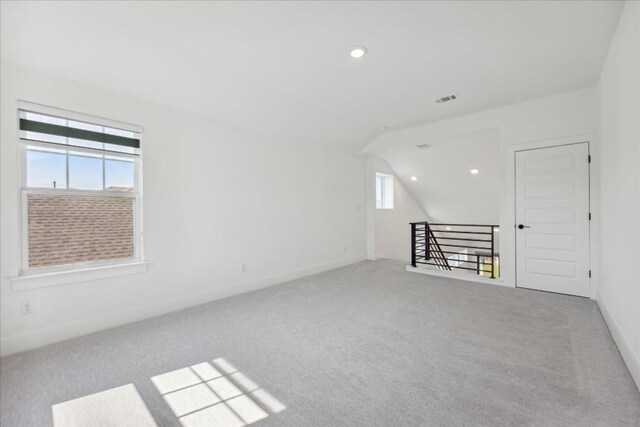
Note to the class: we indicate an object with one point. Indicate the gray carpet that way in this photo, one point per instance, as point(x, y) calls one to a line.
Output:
point(365, 345)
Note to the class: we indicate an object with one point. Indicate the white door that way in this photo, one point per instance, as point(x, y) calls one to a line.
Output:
point(552, 219)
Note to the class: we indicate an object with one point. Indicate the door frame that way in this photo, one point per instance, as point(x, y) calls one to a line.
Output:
point(508, 237)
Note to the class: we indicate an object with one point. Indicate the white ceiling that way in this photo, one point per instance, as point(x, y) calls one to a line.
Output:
point(284, 67)
point(446, 190)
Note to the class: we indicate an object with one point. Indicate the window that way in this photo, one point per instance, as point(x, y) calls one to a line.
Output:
point(81, 195)
point(384, 191)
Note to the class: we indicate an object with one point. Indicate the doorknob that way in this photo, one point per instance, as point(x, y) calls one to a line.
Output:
point(520, 226)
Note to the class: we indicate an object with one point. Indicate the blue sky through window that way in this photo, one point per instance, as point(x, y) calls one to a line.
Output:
point(85, 171)
point(43, 169)
point(118, 173)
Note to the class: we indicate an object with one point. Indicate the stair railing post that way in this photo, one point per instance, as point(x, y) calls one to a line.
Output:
point(427, 241)
point(492, 254)
point(413, 244)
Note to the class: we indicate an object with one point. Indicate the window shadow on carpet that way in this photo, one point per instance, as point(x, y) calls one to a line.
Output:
point(215, 394)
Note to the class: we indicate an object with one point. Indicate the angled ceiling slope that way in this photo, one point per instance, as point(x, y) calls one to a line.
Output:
point(285, 68)
point(445, 189)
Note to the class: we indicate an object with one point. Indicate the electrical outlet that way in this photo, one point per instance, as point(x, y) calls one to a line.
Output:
point(27, 307)
point(243, 268)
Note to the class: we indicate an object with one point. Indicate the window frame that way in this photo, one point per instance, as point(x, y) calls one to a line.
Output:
point(25, 190)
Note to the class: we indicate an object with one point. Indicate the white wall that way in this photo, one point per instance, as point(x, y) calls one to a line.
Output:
point(619, 180)
point(569, 116)
point(392, 235)
point(215, 197)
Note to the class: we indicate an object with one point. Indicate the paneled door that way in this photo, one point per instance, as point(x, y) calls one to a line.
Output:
point(552, 219)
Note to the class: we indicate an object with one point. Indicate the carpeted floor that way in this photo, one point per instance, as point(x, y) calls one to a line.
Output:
point(365, 345)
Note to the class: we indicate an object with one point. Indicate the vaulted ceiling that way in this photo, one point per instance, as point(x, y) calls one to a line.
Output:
point(445, 188)
point(284, 67)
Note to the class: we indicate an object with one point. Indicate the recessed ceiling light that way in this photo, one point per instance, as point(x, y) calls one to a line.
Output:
point(358, 52)
point(448, 228)
point(474, 171)
point(414, 178)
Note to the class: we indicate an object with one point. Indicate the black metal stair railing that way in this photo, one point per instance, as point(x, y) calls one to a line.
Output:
point(435, 251)
point(469, 247)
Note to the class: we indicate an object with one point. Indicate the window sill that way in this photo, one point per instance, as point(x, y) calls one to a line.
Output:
point(35, 281)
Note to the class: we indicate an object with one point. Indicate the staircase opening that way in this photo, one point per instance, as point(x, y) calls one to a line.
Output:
point(466, 248)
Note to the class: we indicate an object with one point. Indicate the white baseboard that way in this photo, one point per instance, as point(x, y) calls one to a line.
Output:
point(35, 339)
point(625, 349)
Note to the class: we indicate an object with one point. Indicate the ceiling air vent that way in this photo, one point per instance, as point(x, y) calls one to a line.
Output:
point(445, 99)
point(423, 146)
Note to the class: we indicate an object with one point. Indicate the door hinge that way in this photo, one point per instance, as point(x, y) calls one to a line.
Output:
point(589, 158)
point(589, 216)
point(589, 273)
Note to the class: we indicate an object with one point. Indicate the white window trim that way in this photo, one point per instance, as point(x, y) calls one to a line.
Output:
point(30, 278)
point(43, 280)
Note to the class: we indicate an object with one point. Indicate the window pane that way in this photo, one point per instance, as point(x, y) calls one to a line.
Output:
point(85, 126)
point(119, 132)
point(40, 136)
point(120, 148)
point(46, 169)
point(384, 191)
point(57, 237)
point(45, 119)
point(75, 124)
point(86, 144)
point(119, 175)
point(387, 192)
point(85, 173)
point(35, 136)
